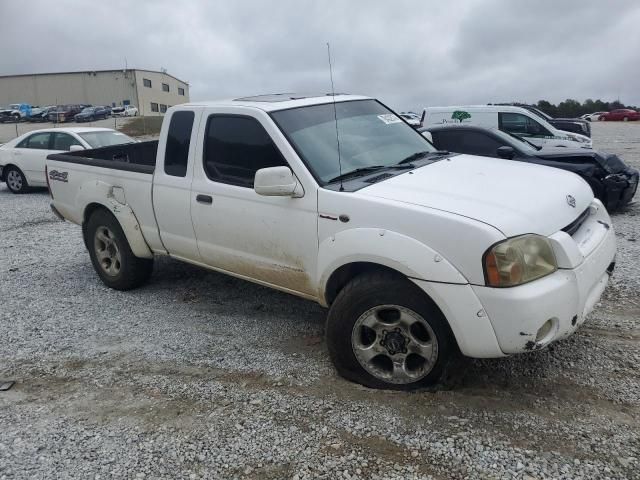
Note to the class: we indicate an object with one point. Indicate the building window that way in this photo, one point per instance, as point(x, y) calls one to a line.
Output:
point(235, 148)
point(176, 155)
point(163, 108)
point(165, 87)
point(154, 107)
point(146, 82)
point(181, 91)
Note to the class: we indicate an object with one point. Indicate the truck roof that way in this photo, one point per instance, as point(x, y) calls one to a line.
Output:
point(279, 101)
point(484, 108)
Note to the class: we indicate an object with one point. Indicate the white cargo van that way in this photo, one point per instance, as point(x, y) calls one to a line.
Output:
point(516, 120)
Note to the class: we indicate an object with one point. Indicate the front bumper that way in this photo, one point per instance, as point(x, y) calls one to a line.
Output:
point(492, 322)
point(620, 188)
point(564, 299)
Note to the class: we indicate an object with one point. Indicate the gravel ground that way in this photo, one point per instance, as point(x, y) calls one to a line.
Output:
point(199, 375)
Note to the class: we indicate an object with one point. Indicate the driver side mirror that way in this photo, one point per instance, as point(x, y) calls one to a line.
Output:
point(76, 148)
point(277, 182)
point(506, 152)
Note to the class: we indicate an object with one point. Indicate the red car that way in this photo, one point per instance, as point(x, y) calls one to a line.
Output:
point(623, 114)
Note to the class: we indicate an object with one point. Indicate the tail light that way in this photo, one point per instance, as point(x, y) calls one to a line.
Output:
point(46, 175)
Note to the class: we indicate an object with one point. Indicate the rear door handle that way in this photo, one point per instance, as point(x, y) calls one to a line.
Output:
point(204, 199)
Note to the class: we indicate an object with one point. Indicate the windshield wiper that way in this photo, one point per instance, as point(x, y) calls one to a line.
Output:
point(419, 155)
point(365, 170)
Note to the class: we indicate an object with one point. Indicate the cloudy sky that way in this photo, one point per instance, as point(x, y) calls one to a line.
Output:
point(408, 53)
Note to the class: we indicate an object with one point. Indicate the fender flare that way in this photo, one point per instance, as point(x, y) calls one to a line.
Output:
point(113, 199)
point(387, 248)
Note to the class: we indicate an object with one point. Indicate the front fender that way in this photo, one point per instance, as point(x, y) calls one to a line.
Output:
point(383, 247)
point(113, 199)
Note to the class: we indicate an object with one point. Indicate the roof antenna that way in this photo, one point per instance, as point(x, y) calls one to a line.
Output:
point(335, 115)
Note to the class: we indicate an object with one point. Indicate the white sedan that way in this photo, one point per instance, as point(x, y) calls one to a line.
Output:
point(22, 160)
point(592, 117)
point(126, 111)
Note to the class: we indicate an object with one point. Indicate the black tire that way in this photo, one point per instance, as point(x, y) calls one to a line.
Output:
point(133, 271)
point(16, 118)
point(362, 295)
point(15, 180)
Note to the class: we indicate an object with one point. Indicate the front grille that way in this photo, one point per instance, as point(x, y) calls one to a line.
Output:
point(574, 226)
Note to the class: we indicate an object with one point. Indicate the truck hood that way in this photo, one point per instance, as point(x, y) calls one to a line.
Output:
point(514, 197)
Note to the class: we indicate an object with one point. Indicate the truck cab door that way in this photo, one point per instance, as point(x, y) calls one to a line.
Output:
point(269, 239)
point(172, 184)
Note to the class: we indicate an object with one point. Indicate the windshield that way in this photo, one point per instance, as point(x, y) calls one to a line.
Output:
point(369, 135)
point(105, 138)
point(88, 110)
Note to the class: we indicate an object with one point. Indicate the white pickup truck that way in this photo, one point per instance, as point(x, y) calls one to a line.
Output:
point(417, 253)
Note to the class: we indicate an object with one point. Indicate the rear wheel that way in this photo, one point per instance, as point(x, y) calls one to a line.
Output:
point(384, 332)
point(111, 254)
point(16, 181)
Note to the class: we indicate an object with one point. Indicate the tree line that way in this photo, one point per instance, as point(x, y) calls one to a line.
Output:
point(573, 108)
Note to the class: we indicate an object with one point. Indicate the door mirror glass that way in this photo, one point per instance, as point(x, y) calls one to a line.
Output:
point(76, 148)
point(506, 152)
point(276, 182)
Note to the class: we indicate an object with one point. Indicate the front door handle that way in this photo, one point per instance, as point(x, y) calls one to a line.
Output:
point(204, 199)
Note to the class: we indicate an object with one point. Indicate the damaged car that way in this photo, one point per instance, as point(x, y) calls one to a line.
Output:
point(612, 181)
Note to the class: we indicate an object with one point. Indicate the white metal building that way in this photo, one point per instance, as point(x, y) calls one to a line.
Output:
point(152, 92)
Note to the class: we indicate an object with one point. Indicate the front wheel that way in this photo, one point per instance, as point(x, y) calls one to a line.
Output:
point(384, 332)
point(625, 119)
point(16, 181)
point(111, 255)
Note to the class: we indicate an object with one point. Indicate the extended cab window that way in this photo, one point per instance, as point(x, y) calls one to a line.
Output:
point(176, 155)
point(236, 148)
point(39, 141)
point(521, 125)
point(63, 141)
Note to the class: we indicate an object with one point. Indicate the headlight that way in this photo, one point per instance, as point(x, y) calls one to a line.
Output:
point(518, 260)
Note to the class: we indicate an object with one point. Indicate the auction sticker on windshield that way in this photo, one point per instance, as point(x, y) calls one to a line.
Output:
point(389, 118)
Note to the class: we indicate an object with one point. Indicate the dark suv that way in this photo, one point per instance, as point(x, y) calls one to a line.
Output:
point(574, 125)
point(64, 113)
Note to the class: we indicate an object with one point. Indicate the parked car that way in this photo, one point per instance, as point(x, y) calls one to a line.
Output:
point(612, 181)
point(22, 160)
point(90, 114)
point(126, 111)
point(592, 117)
point(621, 114)
point(15, 112)
point(575, 125)
point(418, 254)
point(42, 115)
point(510, 119)
point(64, 113)
point(412, 119)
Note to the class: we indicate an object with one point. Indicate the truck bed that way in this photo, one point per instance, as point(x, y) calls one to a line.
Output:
point(133, 157)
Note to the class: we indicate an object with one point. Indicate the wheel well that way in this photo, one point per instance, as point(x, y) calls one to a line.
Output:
point(88, 211)
point(344, 274)
point(6, 168)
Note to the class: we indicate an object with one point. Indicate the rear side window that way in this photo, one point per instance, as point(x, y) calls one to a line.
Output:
point(236, 147)
point(39, 141)
point(176, 155)
point(63, 141)
point(466, 141)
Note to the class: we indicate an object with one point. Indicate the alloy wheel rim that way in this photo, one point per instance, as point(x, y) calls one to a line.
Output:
point(394, 344)
point(14, 180)
point(107, 251)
